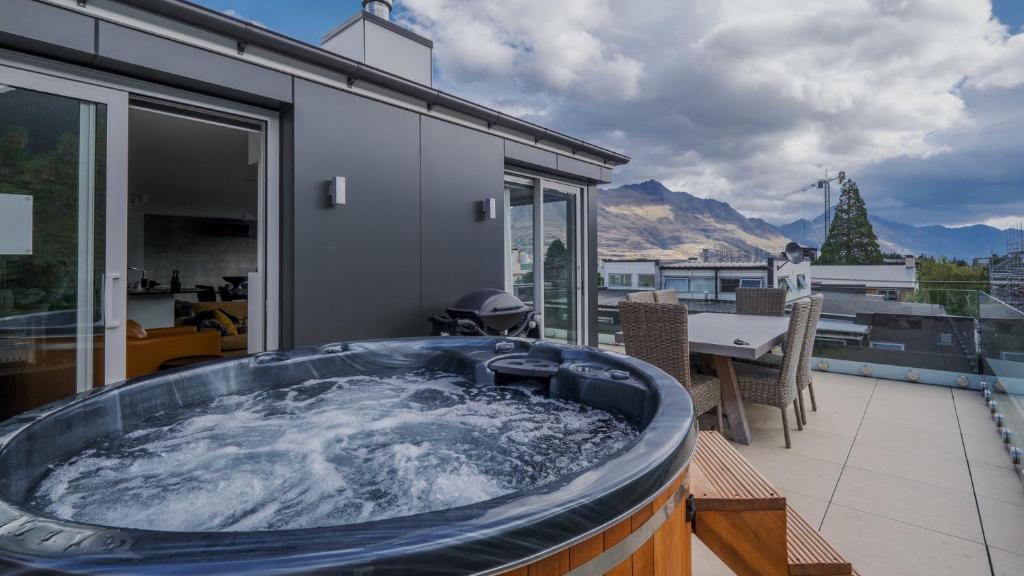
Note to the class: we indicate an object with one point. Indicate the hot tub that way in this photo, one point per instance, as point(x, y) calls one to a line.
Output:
point(611, 503)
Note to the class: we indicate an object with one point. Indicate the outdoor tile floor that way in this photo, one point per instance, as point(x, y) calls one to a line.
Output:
point(902, 478)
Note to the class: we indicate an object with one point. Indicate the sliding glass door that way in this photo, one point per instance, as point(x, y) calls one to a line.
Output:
point(544, 253)
point(61, 238)
point(562, 289)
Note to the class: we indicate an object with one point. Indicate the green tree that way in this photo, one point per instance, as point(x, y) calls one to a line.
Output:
point(556, 264)
point(952, 284)
point(851, 238)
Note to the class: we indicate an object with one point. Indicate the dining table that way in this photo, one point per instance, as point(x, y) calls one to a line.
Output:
point(723, 338)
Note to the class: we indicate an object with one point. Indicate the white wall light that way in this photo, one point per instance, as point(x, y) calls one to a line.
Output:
point(338, 191)
point(489, 208)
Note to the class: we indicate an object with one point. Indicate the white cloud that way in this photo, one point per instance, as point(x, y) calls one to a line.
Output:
point(234, 14)
point(744, 100)
point(551, 46)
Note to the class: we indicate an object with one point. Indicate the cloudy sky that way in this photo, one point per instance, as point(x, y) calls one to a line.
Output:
point(746, 101)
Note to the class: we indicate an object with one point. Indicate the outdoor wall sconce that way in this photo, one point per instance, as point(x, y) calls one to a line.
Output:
point(962, 381)
point(913, 375)
point(338, 191)
point(867, 370)
point(489, 208)
point(823, 365)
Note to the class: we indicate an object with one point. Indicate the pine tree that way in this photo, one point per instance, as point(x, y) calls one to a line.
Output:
point(851, 238)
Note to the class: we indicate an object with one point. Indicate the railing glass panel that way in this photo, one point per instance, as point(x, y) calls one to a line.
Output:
point(1002, 355)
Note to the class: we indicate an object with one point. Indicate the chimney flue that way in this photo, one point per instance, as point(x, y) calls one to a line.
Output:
point(380, 8)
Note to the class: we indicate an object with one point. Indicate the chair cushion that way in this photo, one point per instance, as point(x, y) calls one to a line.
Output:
point(230, 328)
point(134, 329)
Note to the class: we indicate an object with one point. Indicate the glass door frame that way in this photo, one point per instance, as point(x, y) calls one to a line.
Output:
point(539, 182)
point(90, 80)
point(116, 102)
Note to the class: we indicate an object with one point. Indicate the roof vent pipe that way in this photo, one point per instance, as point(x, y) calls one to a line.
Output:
point(380, 8)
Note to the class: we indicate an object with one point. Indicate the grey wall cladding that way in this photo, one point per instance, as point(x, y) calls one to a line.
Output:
point(356, 267)
point(163, 60)
point(33, 26)
point(461, 250)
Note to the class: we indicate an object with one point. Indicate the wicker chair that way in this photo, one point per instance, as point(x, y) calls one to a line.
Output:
point(666, 296)
point(804, 377)
point(761, 301)
point(642, 296)
point(657, 333)
point(777, 386)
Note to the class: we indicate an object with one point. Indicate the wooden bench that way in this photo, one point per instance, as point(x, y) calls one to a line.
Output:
point(746, 522)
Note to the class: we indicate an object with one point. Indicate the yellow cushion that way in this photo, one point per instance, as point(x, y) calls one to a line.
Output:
point(134, 329)
point(226, 322)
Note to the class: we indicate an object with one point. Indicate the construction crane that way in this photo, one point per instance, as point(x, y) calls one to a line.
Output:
point(825, 185)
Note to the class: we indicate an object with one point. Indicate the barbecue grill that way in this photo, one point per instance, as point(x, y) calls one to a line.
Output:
point(488, 312)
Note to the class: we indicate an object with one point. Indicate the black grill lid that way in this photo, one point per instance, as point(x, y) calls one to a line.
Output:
point(487, 302)
point(495, 309)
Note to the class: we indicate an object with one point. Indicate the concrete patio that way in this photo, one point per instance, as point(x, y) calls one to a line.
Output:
point(901, 478)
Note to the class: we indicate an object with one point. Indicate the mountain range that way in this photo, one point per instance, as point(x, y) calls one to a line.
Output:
point(647, 220)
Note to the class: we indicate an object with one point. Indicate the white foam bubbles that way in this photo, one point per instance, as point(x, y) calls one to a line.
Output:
point(328, 452)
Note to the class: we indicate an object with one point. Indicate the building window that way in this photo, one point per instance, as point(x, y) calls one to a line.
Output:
point(729, 285)
point(606, 320)
point(894, 346)
point(787, 283)
point(945, 339)
point(645, 280)
point(801, 281)
point(679, 284)
point(890, 295)
point(702, 285)
point(620, 280)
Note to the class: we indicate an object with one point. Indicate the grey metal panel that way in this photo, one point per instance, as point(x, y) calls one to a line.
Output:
point(590, 202)
point(396, 53)
point(524, 155)
point(606, 175)
point(578, 168)
point(462, 251)
point(47, 29)
point(171, 62)
point(348, 42)
point(286, 336)
point(356, 266)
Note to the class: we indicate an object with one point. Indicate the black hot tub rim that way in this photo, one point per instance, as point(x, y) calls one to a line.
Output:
point(488, 536)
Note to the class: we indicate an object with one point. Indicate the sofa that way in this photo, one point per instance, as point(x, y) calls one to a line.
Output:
point(230, 344)
point(145, 354)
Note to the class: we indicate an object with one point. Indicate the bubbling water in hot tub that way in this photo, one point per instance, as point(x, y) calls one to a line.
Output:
point(329, 452)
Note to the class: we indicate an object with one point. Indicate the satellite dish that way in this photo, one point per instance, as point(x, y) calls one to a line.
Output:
point(794, 253)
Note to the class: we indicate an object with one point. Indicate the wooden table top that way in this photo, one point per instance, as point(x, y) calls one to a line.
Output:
point(715, 333)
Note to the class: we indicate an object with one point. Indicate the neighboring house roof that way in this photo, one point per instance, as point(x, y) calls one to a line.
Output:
point(715, 265)
point(843, 327)
point(607, 298)
point(875, 276)
point(846, 304)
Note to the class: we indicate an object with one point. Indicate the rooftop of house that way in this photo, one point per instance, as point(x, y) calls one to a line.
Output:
point(720, 265)
point(875, 275)
point(849, 304)
point(285, 50)
point(610, 298)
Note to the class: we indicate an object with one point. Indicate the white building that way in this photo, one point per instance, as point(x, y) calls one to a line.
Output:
point(894, 281)
point(707, 280)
